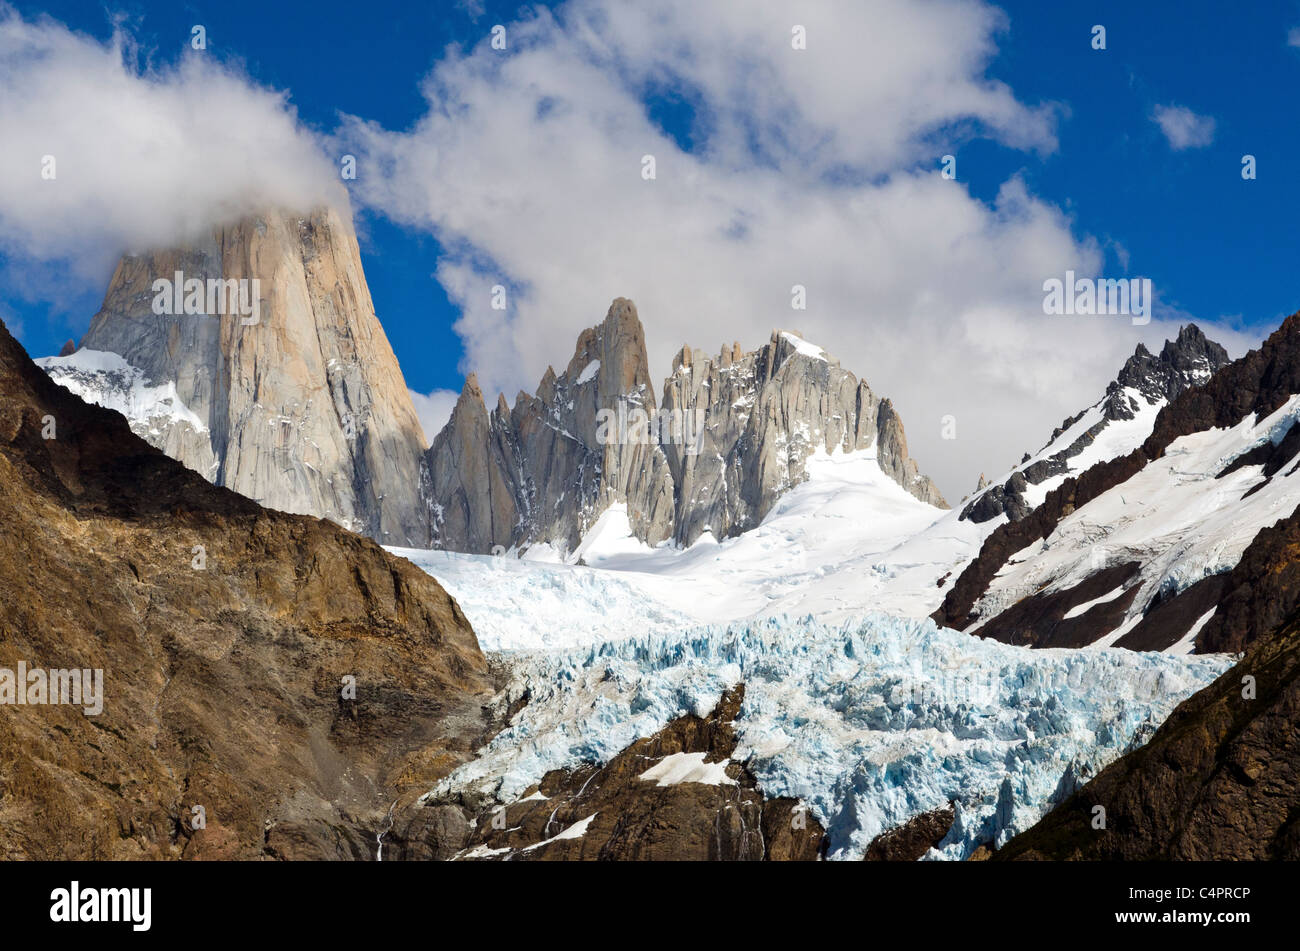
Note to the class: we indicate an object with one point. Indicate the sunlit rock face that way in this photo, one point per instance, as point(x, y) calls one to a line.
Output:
point(283, 384)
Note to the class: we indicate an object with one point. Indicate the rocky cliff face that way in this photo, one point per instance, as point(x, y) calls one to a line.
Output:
point(1190, 537)
point(223, 633)
point(729, 436)
point(763, 414)
point(546, 469)
point(280, 383)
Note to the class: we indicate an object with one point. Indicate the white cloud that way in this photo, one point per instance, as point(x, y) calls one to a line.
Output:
point(1293, 36)
point(875, 77)
point(433, 409)
point(1183, 128)
point(816, 167)
point(142, 156)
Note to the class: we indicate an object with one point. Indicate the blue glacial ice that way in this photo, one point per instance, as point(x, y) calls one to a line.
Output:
point(869, 722)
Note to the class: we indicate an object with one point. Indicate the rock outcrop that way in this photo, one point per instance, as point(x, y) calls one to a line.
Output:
point(910, 841)
point(224, 634)
point(762, 414)
point(676, 796)
point(1238, 606)
point(729, 436)
point(544, 471)
point(283, 384)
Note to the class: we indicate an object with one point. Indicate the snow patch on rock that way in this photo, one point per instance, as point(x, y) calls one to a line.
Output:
point(679, 768)
point(107, 380)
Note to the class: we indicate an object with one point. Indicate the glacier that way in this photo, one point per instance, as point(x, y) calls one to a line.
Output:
point(855, 702)
point(513, 604)
point(869, 721)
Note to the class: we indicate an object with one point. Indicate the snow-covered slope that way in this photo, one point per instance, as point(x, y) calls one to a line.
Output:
point(845, 521)
point(1182, 518)
point(155, 413)
point(107, 380)
point(855, 702)
point(870, 722)
point(867, 718)
point(850, 539)
point(1113, 426)
point(1115, 437)
point(518, 605)
point(847, 540)
point(1146, 549)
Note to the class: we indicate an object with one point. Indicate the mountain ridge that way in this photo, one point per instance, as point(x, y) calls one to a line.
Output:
point(728, 437)
point(1143, 382)
point(1227, 431)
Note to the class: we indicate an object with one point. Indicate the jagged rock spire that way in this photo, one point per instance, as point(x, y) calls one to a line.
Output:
point(1188, 360)
point(728, 437)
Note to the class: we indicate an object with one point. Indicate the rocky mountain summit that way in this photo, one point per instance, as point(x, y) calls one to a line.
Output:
point(1185, 541)
point(224, 636)
point(254, 357)
point(728, 436)
point(1144, 384)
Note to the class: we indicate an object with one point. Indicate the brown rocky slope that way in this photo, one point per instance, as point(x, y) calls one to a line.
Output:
point(224, 632)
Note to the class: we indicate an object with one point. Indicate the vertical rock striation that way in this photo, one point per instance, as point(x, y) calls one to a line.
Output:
point(299, 405)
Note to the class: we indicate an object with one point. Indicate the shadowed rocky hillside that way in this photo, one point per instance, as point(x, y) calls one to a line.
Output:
point(225, 633)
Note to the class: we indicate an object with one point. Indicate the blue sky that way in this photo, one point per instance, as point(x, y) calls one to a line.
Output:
point(1219, 249)
point(373, 68)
